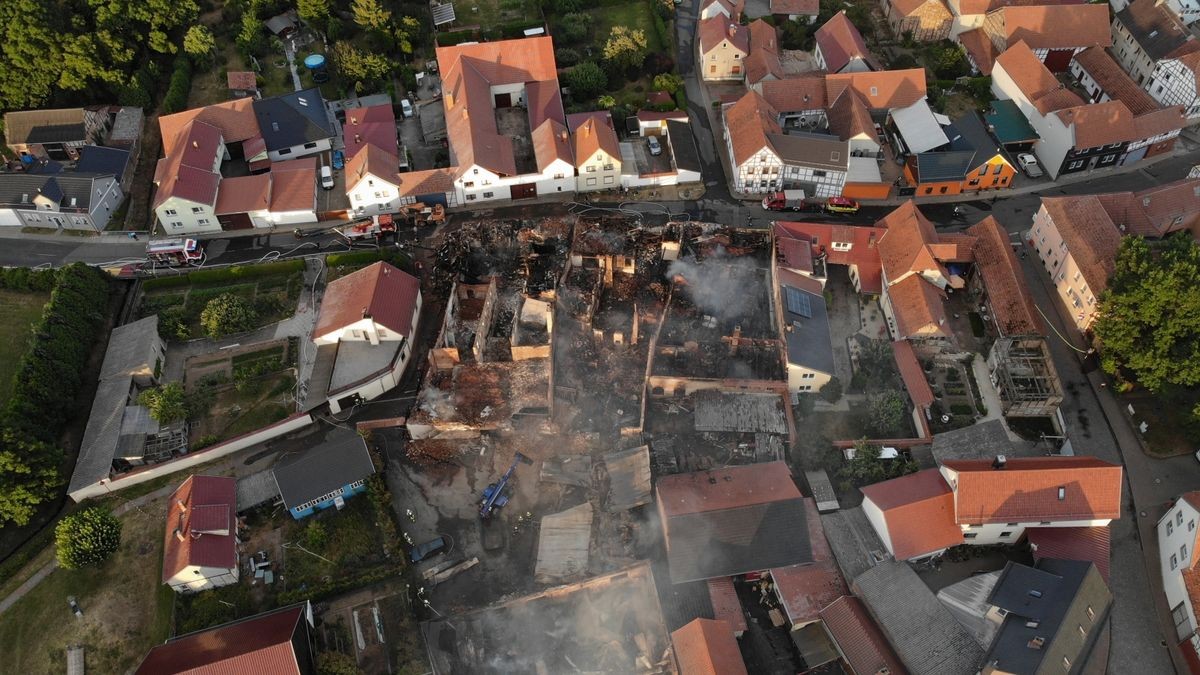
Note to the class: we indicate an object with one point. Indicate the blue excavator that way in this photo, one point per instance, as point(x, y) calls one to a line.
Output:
point(493, 495)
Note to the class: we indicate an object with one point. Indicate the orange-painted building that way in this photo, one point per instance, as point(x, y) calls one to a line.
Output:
point(972, 162)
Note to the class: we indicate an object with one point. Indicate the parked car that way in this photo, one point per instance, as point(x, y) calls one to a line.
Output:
point(1029, 165)
point(427, 550)
point(406, 107)
point(326, 177)
point(655, 146)
point(339, 159)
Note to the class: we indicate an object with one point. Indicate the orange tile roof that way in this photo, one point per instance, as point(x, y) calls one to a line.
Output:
point(1091, 237)
point(1114, 81)
point(725, 603)
point(1155, 211)
point(1191, 582)
point(381, 291)
point(763, 36)
point(593, 135)
point(849, 117)
point(294, 185)
point(918, 308)
point(866, 650)
point(707, 647)
point(840, 42)
point(1036, 81)
point(748, 122)
point(863, 253)
point(371, 160)
point(912, 374)
point(805, 589)
point(199, 510)
point(762, 64)
point(1159, 122)
point(430, 182)
point(734, 8)
point(882, 90)
point(906, 246)
point(235, 119)
point(918, 510)
point(244, 194)
point(794, 94)
point(796, 7)
point(717, 29)
point(1056, 26)
point(469, 71)
point(551, 142)
point(1098, 124)
point(1007, 293)
point(1027, 489)
point(980, 47)
point(735, 487)
point(1092, 544)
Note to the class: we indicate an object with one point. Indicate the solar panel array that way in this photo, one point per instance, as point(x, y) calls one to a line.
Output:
point(797, 302)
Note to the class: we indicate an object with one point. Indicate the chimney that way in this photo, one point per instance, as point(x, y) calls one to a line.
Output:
point(1000, 462)
point(1036, 643)
point(179, 534)
point(734, 342)
point(366, 314)
point(354, 121)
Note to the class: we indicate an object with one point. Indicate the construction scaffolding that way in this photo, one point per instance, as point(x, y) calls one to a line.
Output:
point(1024, 375)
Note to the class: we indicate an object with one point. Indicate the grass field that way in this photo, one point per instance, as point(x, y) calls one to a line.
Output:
point(490, 13)
point(125, 608)
point(20, 310)
point(638, 15)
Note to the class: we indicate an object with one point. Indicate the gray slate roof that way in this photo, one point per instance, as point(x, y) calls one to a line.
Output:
point(924, 633)
point(292, 119)
point(62, 188)
point(821, 151)
point(102, 161)
point(746, 412)
point(733, 541)
point(102, 433)
point(855, 544)
point(683, 145)
point(808, 342)
point(342, 459)
point(979, 441)
point(128, 346)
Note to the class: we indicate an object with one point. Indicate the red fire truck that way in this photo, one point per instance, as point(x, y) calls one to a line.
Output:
point(175, 252)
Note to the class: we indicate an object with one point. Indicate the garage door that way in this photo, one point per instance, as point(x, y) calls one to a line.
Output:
point(503, 100)
point(235, 221)
point(526, 191)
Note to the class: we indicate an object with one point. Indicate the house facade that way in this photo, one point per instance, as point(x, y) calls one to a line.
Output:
point(1176, 81)
point(1177, 559)
point(724, 46)
point(325, 475)
point(1077, 243)
point(200, 545)
point(924, 20)
point(372, 181)
point(1145, 32)
point(62, 201)
point(596, 150)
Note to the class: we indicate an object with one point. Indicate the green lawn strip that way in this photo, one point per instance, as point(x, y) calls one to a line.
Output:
point(21, 311)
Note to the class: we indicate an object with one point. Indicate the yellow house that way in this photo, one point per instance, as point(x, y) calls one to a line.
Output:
point(1077, 243)
point(597, 151)
point(724, 46)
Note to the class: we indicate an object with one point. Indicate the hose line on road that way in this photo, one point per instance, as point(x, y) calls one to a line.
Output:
point(1060, 335)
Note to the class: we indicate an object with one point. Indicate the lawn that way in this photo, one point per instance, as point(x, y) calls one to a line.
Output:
point(638, 15)
point(274, 296)
point(21, 310)
point(491, 13)
point(1170, 428)
point(235, 409)
point(126, 610)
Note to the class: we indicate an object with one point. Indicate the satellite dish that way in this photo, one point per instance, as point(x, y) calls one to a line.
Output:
point(945, 419)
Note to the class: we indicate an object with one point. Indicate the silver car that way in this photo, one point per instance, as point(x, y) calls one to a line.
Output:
point(1029, 165)
point(655, 146)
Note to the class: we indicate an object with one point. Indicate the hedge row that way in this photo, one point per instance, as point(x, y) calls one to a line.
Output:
point(51, 370)
point(25, 279)
point(181, 85)
point(397, 258)
point(223, 274)
point(338, 586)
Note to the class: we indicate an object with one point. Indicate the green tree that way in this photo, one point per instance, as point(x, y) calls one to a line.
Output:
point(226, 314)
point(314, 12)
point(885, 413)
point(573, 28)
point(832, 391)
point(867, 467)
point(371, 14)
point(359, 67)
point(668, 82)
point(585, 80)
point(166, 404)
point(626, 47)
point(405, 32)
point(199, 43)
point(87, 538)
point(336, 663)
point(607, 102)
point(28, 475)
point(251, 38)
point(1149, 317)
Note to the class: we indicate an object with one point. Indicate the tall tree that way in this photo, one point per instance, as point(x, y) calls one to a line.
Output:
point(166, 404)
point(625, 47)
point(1149, 317)
point(371, 14)
point(199, 43)
point(87, 538)
point(313, 12)
point(362, 68)
point(28, 475)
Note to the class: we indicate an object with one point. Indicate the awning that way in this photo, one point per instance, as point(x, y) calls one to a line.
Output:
point(919, 128)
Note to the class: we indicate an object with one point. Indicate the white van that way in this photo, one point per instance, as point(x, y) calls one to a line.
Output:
point(326, 177)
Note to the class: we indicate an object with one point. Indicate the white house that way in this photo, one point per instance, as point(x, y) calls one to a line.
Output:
point(1178, 557)
point(188, 178)
point(597, 152)
point(726, 8)
point(1145, 32)
point(366, 324)
point(1176, 81)
point(913, 514)
point(371, 181)
point(58, 201)
point(996, 500)
point(200, 549)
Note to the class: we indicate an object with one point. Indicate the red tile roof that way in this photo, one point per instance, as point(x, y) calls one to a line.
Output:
point(374, 125)
point(908, 7)
point(593, 134)
point(863, 253)
point(912, 374)
point(1098, 124)
point(726, 605)
point(717, 29)
point(386, 294)
point(371, 160)
point(241, 79)
point(707, 647)
point(748, 122)
point(1007, 293)
point(259, 644)
point(1028, 488)
point(294, 185)
point(918, 308)
point(1091, 236)
point(859, 639)
point(1055, 26)
point(1155, 211)
point(980, 47)
point(839, 42)
point(187, 172)
point(850, 117)
point(244, 194)
point(429, 182)
point(796, 7)
point(907, 245)
point(187, 515)
point(1035, 81)
point(1114, 81)
point(794, 94)
point(734, 8)
point(551, 142)
point(469, 71)
point(1092, 544)
point(805, 589)
point(882, 90)
point(732, 487)
point(919, 512)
